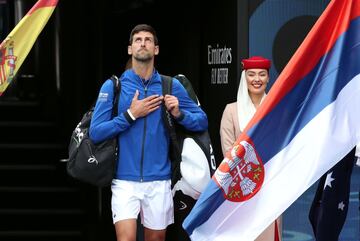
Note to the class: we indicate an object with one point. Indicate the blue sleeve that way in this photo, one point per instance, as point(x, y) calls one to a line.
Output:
point(192, 117)
point(103, 126)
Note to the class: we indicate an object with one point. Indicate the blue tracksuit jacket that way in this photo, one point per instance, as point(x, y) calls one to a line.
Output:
point(143, 143)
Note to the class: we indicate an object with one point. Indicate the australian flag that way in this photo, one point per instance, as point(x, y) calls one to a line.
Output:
point(330, 205)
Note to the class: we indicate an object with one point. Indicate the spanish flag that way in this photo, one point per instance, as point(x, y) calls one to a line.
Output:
point(17, 45)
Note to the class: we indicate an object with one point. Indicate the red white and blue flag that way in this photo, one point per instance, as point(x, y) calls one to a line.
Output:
point(308, 122)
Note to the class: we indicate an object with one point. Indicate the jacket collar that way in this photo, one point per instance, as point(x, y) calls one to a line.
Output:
point(130, 73)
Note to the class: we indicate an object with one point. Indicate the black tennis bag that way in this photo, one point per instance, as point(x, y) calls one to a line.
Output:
point(193, 162)
point(93, 163)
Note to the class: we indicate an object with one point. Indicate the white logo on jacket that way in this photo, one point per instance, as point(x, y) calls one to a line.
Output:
point(103, 97)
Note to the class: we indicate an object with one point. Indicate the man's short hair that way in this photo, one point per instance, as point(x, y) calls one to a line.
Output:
point(145, 28)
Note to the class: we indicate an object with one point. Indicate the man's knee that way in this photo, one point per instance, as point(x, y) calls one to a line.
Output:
point(154, 235)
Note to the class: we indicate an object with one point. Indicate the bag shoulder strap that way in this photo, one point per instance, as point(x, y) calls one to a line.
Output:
point(166, 83)
point(117, 90)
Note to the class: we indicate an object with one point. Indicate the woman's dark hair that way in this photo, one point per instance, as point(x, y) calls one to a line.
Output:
point(145, 28)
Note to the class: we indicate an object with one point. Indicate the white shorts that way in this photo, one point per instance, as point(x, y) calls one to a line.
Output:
point(153, 200)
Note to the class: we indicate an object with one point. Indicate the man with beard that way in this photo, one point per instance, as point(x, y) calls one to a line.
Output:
point(142, 182)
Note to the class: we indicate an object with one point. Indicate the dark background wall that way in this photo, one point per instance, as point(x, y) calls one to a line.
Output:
point(85, 42)
point(93, 46)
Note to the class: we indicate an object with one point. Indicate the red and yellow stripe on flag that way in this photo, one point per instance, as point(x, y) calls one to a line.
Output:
point(17, 45)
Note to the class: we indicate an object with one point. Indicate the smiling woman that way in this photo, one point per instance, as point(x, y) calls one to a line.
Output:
point(257, 80)
point(251, 93)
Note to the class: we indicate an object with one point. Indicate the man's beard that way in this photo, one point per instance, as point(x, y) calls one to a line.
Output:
point(144, 58)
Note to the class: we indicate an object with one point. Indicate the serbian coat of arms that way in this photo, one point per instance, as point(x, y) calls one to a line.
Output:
point(241, 174)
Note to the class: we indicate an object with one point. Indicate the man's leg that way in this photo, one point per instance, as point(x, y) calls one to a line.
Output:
point(126, 230)
point(157, 210)
point(125, 205)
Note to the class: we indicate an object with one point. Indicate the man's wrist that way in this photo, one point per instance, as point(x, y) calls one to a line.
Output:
point(131, 115)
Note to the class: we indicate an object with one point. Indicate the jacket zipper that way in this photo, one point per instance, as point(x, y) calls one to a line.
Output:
point(143, 138)
point(142, 148)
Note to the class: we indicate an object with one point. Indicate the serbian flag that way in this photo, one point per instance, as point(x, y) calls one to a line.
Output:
point(17, 45)
point(308, 122)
